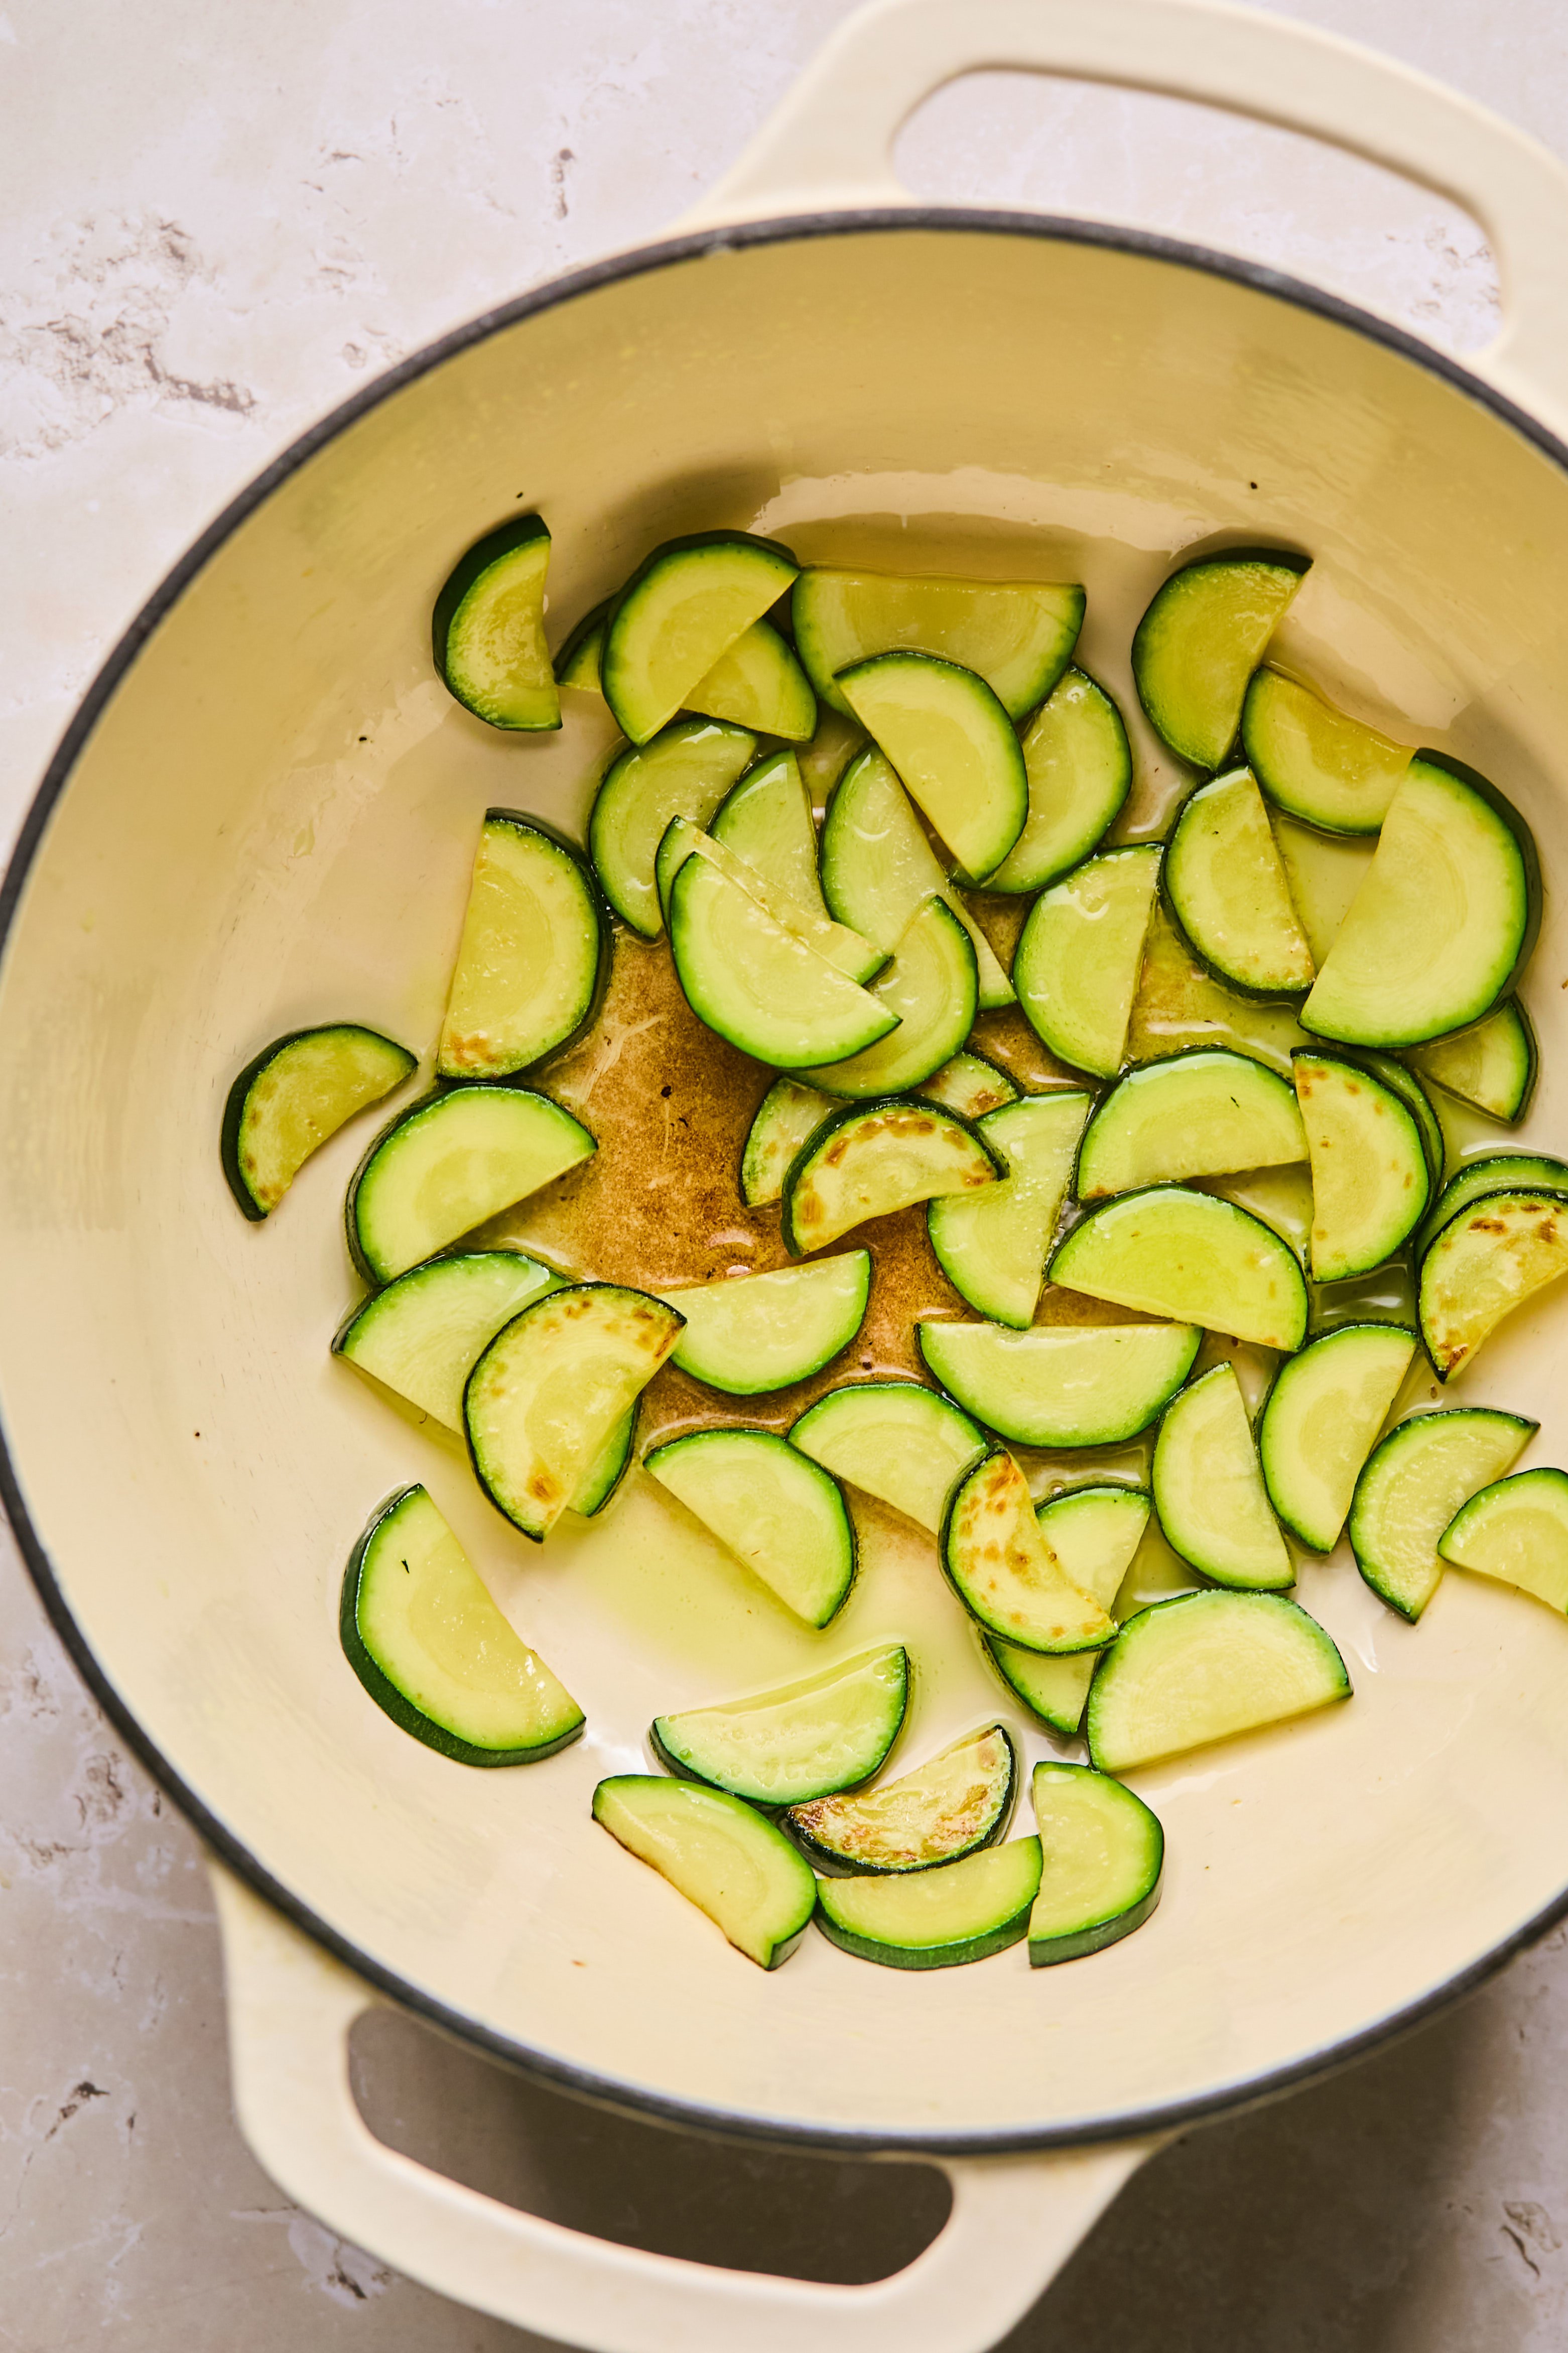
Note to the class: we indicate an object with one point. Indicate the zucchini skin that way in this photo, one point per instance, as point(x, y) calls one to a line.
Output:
point(576, 639)
point(234, 1106)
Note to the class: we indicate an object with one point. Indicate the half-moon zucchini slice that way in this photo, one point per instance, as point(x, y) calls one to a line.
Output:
point(1080, 766)
point(1018, 634)
point(1492, 1172)
point(297, 1093)
point(1493, 1066)
point(766, 822)
point(487, 631)
point(993, 1244)
point(424, 1333)
point(1102, 1850)
point(679, 611)
point(1226, 887)
point(1414, 1483)
point(787, 1115)
point(1206, 1667)
point(1496, 1254)
point(1314, 762)
point(935, 1919)
point(953, 747)
point(1191, 1256)
point(878, 868)
point(1061, 1384)
point(958, 1803)
point(830, 1731)
point(771, 1505)
point(1003, 1570)
point(1094, 1532)
point(896, 1440)
point(931, 986)
point(1080, 953)
point(1321, 1421)
point(760, 984)
point(533, 958)
point(969, 1085)
point(449, 1162)
point(1209, 1490)
point(719, 1853)
point(684, 771)
point(757, 683)
point(875, 1158)
point(1516, 1531)
point(1201, 640)
point(577, 663)
point(1206, 1113)
point(845, 950)
point(751, 1333)
point(1371, 1176)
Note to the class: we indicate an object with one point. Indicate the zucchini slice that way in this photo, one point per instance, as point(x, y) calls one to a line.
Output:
point(1206, 1113)
point(758, 984)
point(686, 772)
point(1492, 1067)
point(993, 1244)
point(603, 1477)
point(845, 950)
point(787, 1114)
point(1321, 1421)
point(296, 1093)
point(1496, 1253)
point(1193, 1256)
point(1179, 1004)
point(449, 1162)
point(1102, 1853)
point(775, 1510)
point(1414, 1483)
point(1018, 634)
point(931, 986)
point(1441, 928)
point(969, 1085)
point(488, 629)
point(423, 1334)
point(953, 747)
point(1080, 953)
point(1228, 891)
point(1003, 1568)
point(550, 1390)
point(1094, 1532)
point(436, 1654)
point(959, 1803)
point(683, 607)
point(1417, 1102)
point(751, 1333)
point(935, 1919)
point(717, 1853)
point(1516, 1531)
point(830, 1731)
point(1209, 1490)
point(1205, 1667)
point(757, 683)
point(1061, 1384)
point(533, 956)
point(767, 820)
point(1313, 762)
point(1492, 1172)
point(1371, 1178)
point(1201, 640)
point(875, 1158)
point(577, 663)
point(895, 1440)
point(1079, 767)
point(878, 868)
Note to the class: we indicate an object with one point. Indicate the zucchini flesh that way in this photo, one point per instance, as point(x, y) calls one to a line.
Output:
point(679, 611)
point(297, 1093)
point(1226, 886)
point(1321, 1421)
point(878, 868)
point(875, 1158)
point(1202, 1114)
point(993, 1244)
point(830, 1731)
point(717, 1853)
point(1418, 1104)
point(1445, 920)
point(1209, 1490)
point(1516, 1531)
point(487, 631)
point(423, 1334)
point(1371, 1178)
point(767, 820)
point(957, 1804)
point(1003, 1570)
point(1200, 641)
point(752, 1332)
point(1492, 1067)
point(1496, 1254)
point(894, 1439)
point(1180, 1005)
point(759, 984)
point(1493, 1172)
point(436, 1654)
point(757, 683)
point(684, 772)
point(532, 957)
point(787, 1114)
point(550, 1389)
point(931, 987)
point(1018, 634)
point(935, 1919)
point(1061, 1384)
point(969, 1085)
point(845, 950)
point(1414, 1483)
point(1079, 767)
point(1205, 1667)
point(1080, 953)
point(577, 663)
point(1102, 1853)
point(1314, 762)
point(1191, 1256)
point(447, 1164)
point(1094, 1532)
point(953, 747)
point(772, 1506)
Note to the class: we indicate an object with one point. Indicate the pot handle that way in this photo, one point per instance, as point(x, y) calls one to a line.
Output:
point(828, 147)
point(1014, 2223)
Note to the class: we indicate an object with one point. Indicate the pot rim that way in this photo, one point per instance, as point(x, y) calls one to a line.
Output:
point(1169, 2117)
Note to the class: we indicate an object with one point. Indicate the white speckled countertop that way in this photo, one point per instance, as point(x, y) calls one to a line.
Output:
point(215, 222)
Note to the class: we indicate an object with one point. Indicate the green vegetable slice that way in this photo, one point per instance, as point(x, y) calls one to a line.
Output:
point(1018, 634)
point(767, 820)
point(895, 1440)
point(577, 663)
point(1209, 1490)
point(1371, 1179)
point(993, 1244)
point(752, 1332)
point(1227, 889)
point(957, 1804)
point(878, 868)
point(1079, 767)
point(1200, 1113)
point(1414, 1483)
point(772, 1506)
point(875, 1158)
point(952, 746)
point(935, 1919)
point(1417, 1102)
point(845, 950)
point(787, 1114)
point(969, 1085)
point(1492, 1067)
point(1321, 1421)
point(487, 631)
point(1492, 1172)
point(447, 1164)
point(1201, 640)
point(436, 1654)
point(828, 1732)
point(719, 1853)
point(757, 683)
point(1516, 1531)
point(533, 956)
point(1094, 1532)
point(760, 984)
point(1061, 1384)
point(686, 772)
point(1205, 1667)
point(1313, 761)
point(931, 988)
point(1190, 1256)
point(1003, 1568)
point(1080, 953)
point(297, 1093)
point(1494, 1256)
point(1102, 1851)
point(423, 1334)
point(680, 610)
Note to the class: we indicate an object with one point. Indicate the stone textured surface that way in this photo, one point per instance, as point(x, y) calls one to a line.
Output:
point(215, 222)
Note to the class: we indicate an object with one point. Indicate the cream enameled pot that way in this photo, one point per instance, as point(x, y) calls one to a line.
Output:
point(263, 815)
